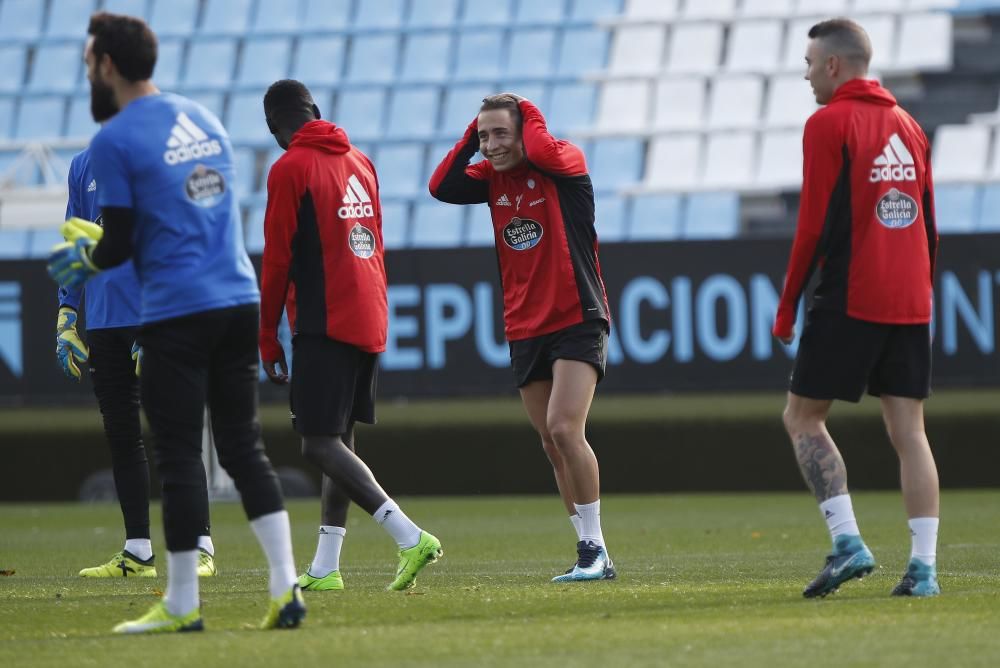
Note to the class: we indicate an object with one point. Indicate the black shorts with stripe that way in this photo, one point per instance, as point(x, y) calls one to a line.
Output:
point(532, 359)
point(333, 385)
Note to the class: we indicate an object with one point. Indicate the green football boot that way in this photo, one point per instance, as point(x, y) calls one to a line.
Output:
point(413, 559)
point(286, 611)
point(206, 564)
point(330, 582)
point(159, 620)
point(122, 565)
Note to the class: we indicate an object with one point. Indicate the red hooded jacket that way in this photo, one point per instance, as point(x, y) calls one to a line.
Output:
point(323, 254)
point(867, 212)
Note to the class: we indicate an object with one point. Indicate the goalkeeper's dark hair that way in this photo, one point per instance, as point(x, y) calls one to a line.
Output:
point(288, 103)
point(128, 41)
point(504, 101)
point(844, 38)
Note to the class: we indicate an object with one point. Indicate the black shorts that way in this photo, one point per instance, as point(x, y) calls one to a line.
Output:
point(333, 385)
point(587, 342)
point(840, 356)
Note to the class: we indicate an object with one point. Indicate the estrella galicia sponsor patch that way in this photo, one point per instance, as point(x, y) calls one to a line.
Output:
point(896, 210)
point(361, 241)
point(522, 233)
point(205, 186)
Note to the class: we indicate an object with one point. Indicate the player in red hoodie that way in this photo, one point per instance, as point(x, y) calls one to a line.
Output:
point(867, 220)
point(323, 260)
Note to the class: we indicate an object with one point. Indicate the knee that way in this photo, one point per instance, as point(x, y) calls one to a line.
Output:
point(552, 452)
point(565, 433)
point(798, 421)
point(317, 449)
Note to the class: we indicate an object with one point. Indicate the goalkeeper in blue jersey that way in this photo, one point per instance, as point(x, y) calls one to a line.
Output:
point(112, 316)
point(164, 170)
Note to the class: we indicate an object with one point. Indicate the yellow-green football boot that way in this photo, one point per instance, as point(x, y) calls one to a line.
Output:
point(413, 559)
point(159, 620)
point(206, 564)
point(330, 582)
point(122, 565)
point(286, 611)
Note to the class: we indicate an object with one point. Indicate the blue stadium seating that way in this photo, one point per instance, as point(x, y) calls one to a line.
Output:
point(276, 17)
point(610, 218)
point(42, 240)
point(571, 106)
point(712, 215)
point(12, 62)
point(40, 117)
point(400, 170)
point(379, 15)
point(264, 61)
point(272, 157)
point(169, 58)
point(479, 229)
point(460, 106)
point(6, 117)
point(13, 242)
point(173, 17)
point(432, 13)
point(21, 20)
point(69, 18)
point(319, 60)
point(361, 112)
point(594, 10)
point(486, 12)
point(989, 209)
point(372, 58)
point(435, 154)
point(655, 217)
point(212, 100)
point(550, 12)
point(478, 56)
point(426, 57)
point(413, 113)
point(531, 53)
point(436, 225)
point(226, 17)
point(956, 207)
point(536, 92)
point(325, 15)
point(244, 163)
point(80, 124)
point(210, 64)
point(245, 119)
point(395, 224)
point(131, 7)
point(253, 230)
point(56, 68)
point(582, 51)
point(615, 162)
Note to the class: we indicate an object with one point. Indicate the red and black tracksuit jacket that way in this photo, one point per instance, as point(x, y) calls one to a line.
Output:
point(323, 254)
point(867, 212)
point(543, 226)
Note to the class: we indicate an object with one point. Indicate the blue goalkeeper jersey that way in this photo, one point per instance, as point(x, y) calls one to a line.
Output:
point(111, 298)
point(169, 160)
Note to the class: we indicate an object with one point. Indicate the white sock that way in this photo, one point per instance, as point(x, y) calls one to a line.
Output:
point(400, 527)
point(590, 522)
point(924, 531)
point(327, 559)
point(275, 537)
point(142, 548)
point(182, 582)
point(205, 543)
point(577, 524)
point(839, 514)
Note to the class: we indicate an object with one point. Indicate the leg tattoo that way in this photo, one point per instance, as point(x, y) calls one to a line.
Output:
point(821, 465)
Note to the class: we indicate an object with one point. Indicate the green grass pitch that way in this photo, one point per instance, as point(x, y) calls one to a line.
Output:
point(705, 580)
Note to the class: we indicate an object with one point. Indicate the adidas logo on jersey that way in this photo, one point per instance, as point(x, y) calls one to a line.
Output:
point(503, 201)
point(189, 142)
point(895, 163)
point(357, 201)
point(93, 186)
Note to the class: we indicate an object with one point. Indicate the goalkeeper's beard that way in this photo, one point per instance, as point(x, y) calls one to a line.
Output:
point(102, 102)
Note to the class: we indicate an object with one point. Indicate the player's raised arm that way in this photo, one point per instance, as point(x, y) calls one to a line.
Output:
point(455, 181)
point(556, 156)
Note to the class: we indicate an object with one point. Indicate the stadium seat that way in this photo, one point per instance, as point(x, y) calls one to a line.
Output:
point(571, 107)
point(276, 17)
point(264, 61)
point(12, 62)
point(437, 225)
point(461, 103)
point(40, 118)
point(80, 124)
point(537, 92)
point(319, 60)
point(245, 119)
point(55, 68)
point(6, 117)
point(695, 48)
point(486, 12)
point(729, 160)
point(615, 162)
point(540, 13)
point(361, 111)
point(821, 7)
point(790, 101)
point(624, 106)
point(720, 10)
point(735, 101)
point(174, 17)
point(14, 242)
point(137, 8)
point(881, 29)
point(673, 162)
point(479, 229)
point(210, 64)
point(766, 8)
point(169, 59)
point(993, 172)
point(877, 6)
point(479, 55)
point(679, 103)
point(925, 42)
point(432, 13)
point(592, 11)
point(214, 101)
point(253, 231)
point(610, 218)
point(395, 224)
point(780, 163)
point(637, 50)
point(269, 160)
point(378, 15)
point(754, 46)
point(582, 51)
point(68, 19)
point(655, 217)
point(712, 215)
point(796, 41)
point(531, 53)
point(413, 113)
point(989, 209)
point(400, 170)
point(426, 57)
point(960, 152)
point(956, 206)
point(245, 167)
point(42, 240)
point(325, 15)
point(225, 17)
point(372, 58)
point(651, 10)
point(21, 20)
